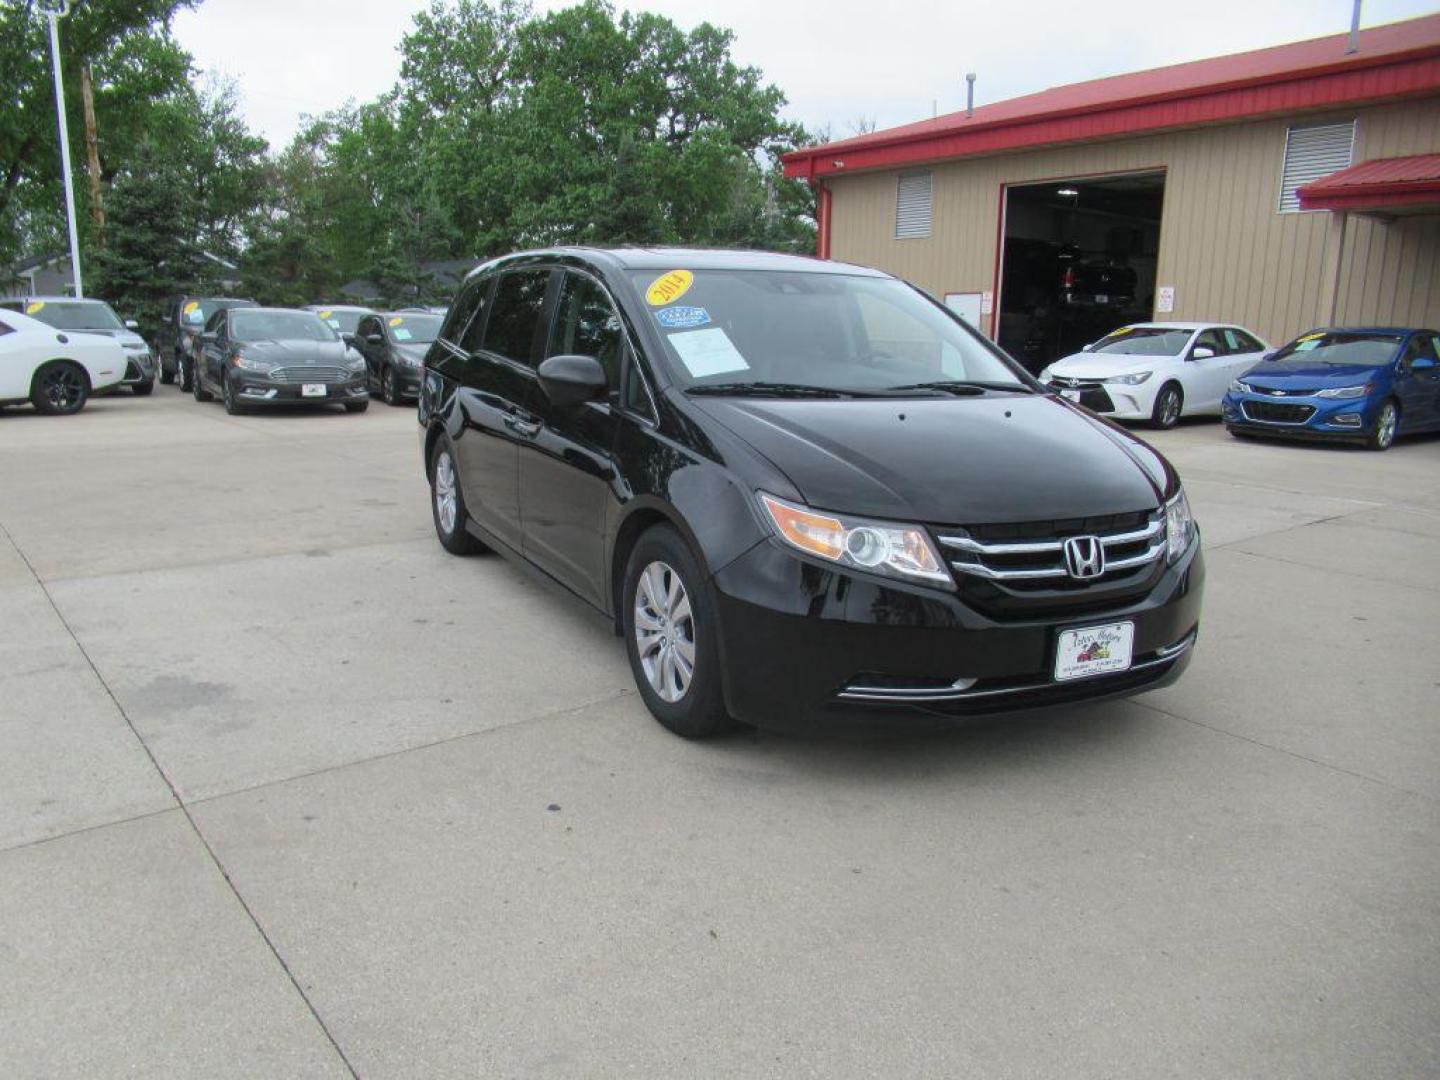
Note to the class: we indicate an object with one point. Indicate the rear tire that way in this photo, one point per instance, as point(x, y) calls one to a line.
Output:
point(185, 376)
point(1169, 403)
point(1382, 432)
point(356, 406)
point(447, 502)
point(60, 388)
point(168, 377)
point(671, 635)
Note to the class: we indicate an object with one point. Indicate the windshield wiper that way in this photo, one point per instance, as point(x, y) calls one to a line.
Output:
point(774, 389)
point(964, 389)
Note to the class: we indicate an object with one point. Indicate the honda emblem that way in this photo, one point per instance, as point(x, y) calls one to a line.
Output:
point(1084, 557)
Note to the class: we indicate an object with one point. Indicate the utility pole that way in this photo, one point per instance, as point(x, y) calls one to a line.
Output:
point(55, 10)
point(92, 154)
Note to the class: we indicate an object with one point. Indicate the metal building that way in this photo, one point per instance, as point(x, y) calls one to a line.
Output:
point(1280, 189)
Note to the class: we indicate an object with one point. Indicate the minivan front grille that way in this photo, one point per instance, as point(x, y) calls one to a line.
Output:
point(1023, 569)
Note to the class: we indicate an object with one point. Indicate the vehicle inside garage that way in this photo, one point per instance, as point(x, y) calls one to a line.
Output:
point(1078, 258)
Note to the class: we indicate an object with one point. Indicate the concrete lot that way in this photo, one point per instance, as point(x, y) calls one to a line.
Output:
point(287, 791)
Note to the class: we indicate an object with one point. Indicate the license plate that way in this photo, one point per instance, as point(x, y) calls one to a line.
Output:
point(1095, 650)
point(312, 389)
point(1071, 395)
point(1101, 298)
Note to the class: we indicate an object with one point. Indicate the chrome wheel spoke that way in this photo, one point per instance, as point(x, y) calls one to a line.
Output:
point(663, 625)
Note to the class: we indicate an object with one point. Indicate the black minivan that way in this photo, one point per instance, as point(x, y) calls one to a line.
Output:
point(801, 488)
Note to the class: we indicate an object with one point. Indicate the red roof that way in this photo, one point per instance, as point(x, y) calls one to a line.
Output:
point(1396, 60)
point(1382, 184)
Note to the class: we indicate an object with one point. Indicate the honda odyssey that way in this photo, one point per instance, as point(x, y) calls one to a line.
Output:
point(800, 488)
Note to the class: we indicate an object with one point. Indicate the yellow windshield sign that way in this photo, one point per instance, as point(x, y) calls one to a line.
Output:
point(192, 307)
point(396, 321)
point(669, 287)
point(34, 306)
point(325, 314)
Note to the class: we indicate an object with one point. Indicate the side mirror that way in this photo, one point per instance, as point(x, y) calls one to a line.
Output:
point(569, 381)
point(1087, 348)
point(375, 339)
point(1201, 352)
point(131, 324)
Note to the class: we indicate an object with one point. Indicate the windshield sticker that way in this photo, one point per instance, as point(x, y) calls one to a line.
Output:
point(34, 306)
point(402, 333)
point(682, 318)
point(708, 352)
point(334, 324)
point(1306, 344)
point(1122, 330)
point(668, 288)
point(192, 307)
point(324, 314)
point(396, 321)
point(195, 317)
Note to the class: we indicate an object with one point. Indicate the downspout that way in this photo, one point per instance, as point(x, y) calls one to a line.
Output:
point(1338, 220)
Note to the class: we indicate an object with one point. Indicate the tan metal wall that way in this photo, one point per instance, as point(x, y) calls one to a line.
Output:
point(1223, 247)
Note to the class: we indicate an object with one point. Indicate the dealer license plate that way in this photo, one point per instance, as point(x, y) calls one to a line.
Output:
point(1071, 395)
point(1101, 298)
point(312, 389)
point(1095, 650)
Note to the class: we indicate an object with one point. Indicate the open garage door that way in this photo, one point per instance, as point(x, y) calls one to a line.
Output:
point(1077, 259)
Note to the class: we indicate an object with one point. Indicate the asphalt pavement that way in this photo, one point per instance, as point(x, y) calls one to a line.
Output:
point(286, 791)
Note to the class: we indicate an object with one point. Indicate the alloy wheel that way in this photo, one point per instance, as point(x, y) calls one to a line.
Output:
point(664, 631)
point(63, 388)
point(387, 386)
point(1385, 425)
point(446, 502)
point(1170, 411)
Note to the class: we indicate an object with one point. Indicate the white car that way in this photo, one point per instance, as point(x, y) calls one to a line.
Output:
point(53, 370)
point(1157, 371)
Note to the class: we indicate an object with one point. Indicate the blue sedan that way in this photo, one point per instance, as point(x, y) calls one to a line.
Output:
point(1358, 384)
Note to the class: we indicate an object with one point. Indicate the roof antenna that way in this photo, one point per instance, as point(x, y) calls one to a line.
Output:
point(970, 83)
point(1355, 29)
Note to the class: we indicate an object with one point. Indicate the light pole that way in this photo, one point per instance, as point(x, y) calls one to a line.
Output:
point(55, 10)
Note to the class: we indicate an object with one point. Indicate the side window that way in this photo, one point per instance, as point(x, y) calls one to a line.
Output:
point(1210, 339)
point(1243, 342)
point(467, 320)
point(515, 315)
point(216, 325)
point(1423, 347)
point(586, 323)
point(368, 326)
point(634, 396)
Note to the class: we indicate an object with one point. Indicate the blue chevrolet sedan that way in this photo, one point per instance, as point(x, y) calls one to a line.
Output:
point(1360, 384)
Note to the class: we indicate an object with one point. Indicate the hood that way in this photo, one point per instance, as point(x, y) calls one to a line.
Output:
point(124, 337)
point(955, 461)
point(329, 353)
point(1085, 365)
point(1297, 372)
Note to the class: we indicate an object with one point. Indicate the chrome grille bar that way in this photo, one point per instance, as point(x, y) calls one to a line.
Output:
point(979, 551)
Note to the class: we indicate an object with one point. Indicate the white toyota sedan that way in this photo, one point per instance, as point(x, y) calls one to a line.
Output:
point(53, 370)
point(1157, 371)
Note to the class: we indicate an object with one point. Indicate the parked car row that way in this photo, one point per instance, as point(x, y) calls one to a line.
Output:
point(1365, 384)
point(94, 318)
point(54, 370)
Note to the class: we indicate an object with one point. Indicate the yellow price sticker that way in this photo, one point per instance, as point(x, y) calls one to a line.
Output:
point(1122, 330)
point(669, 287)
point(396, 321)
point(1311, 337)
point(192, 307)
point(34, 306)
point(324, 314)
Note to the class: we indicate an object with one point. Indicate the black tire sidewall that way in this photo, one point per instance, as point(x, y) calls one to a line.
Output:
point(701, 712)
point(459, 542)
point(1157, 414)
point(42, 403)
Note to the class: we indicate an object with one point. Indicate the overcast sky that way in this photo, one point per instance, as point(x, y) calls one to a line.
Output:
point(890, 61)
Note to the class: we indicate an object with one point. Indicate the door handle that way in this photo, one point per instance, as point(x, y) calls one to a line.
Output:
point(524, 426)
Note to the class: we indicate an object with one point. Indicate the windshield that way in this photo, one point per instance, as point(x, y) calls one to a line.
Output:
point(812, 331)
point(413, 329)
point(342, 320)
point(1369, 349)
point(197, 312)
point(279, 326)
point(1143, 341)
point(74, 314)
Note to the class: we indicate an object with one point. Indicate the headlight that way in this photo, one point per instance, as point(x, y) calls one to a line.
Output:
point(245, 363)
point(1179, 526)
point(354, 362)
point(1240, 387)
point(1133, 379)
point(137, 346)
point(880, 547)
point(1344, 391)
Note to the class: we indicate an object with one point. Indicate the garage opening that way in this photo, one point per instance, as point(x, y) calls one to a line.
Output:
point(1077, 259)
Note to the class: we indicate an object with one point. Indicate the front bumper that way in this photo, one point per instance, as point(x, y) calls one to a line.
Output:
point(1118, 401)
point(407, 380)
point(1299, 417)
point(255, 389)
point(139, 368)
point(803, 645)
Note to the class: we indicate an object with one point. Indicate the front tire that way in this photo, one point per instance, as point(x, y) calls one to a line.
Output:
point(1382, 432)
point(1169, 403)
point(670, 636)
point(186, 377)
point(60, 388)
point(193, 385)
point(447, 502)
point(356, 406)
point(388, 388)
point(227, 396)
point(141, 389)
point(168, 377)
